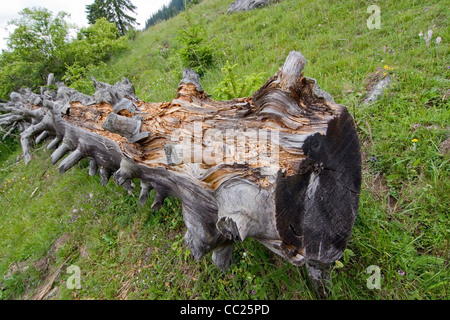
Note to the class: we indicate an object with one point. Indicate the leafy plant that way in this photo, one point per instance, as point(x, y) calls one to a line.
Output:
point(233, 87)
point(40, 45)
point(36, 47)
point(196, 50)
point(96, 43)
point(75, 77)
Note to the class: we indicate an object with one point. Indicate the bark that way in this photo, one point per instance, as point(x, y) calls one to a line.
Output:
point(282, 166)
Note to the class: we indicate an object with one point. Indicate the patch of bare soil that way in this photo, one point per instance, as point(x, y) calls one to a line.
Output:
point(45, 291)
point(445, 147)
point(377, 185)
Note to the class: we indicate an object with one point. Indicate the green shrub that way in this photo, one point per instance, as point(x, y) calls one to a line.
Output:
point(196, 51)
point(36, 47)
point(76, 77)
point(233, 87)
point(96, 43)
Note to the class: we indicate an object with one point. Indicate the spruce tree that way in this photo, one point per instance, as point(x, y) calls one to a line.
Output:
point(113, 10)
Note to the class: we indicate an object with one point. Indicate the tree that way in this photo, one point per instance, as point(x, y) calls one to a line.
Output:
point(40, 44)
point(93, 45)
point(113, 11)
point(96, 43)
point(35, 48)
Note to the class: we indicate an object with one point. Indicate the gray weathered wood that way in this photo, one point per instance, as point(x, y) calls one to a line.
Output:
point(247, 5)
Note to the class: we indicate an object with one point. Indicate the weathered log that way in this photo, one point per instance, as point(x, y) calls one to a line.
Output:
point(282, 166)
point(247, 5)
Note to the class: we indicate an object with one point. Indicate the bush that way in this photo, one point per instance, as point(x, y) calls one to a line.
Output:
point(232, 87)
point(35, 48)
point(40, 45)
point(75, 77)
point(196, 50)
point(96, 43)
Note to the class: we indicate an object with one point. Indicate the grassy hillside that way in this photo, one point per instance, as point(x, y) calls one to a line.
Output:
point(127, 251)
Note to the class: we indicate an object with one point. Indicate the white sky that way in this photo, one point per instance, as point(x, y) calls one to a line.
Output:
point(9, 10)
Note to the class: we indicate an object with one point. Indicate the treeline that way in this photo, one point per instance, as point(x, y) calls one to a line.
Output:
point(169, 11)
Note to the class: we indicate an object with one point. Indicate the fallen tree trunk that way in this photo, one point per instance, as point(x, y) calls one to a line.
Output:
point(282, 166)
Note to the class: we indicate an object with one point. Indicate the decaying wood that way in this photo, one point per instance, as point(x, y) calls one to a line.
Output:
point(246, 5)
point(282, 166)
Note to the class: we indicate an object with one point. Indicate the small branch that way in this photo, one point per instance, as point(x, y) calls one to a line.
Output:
point(32, 194)
point(5, 196)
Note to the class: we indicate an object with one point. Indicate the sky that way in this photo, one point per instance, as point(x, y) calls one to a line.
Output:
point(76, 8)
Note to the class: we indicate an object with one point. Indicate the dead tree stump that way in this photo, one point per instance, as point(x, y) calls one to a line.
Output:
point(282, 166)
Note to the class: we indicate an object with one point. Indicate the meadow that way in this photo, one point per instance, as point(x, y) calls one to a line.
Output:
point(127, 251)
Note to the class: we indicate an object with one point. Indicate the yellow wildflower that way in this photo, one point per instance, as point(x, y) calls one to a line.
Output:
point(384, 73)
point(414, 140)
point(386, 67)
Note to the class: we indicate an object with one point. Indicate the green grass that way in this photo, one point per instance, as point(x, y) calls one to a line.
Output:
point(127, 251)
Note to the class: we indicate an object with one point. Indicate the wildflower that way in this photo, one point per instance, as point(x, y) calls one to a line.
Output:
point(392, 93)
point(232, 275)
point(428, 39)
point(413, 148)
point(438, 40)
point(384, 73)
point(401, 272)
point(426, 9)
point(421, 34)
point(253, 292)
point(386, 67)
point(373, 159)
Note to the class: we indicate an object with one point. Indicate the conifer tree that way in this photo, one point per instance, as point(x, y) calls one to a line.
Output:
point(114, 11)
